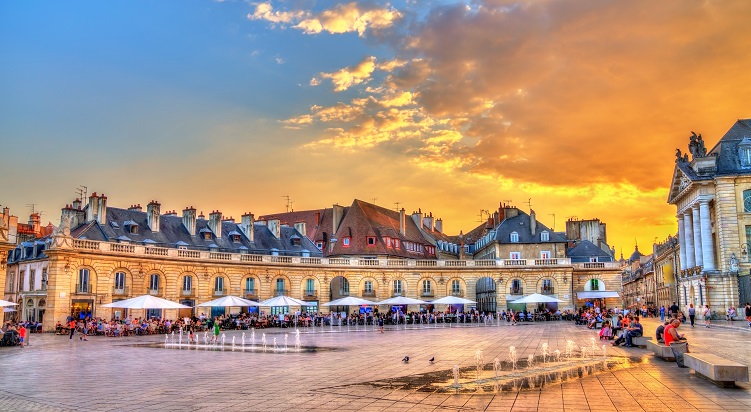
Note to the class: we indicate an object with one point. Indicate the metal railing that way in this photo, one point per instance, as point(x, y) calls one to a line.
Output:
point(517, 291)
point(188, 292)
point(83, 289)
point(427, 293)
point(218, 292)
point(280, 292)
point(370, 293)
point(547, 291)
point(119, 291)
point(310, 293)
point(250, 292)
point(154, 291)
point(343, 292)
point(458, 293)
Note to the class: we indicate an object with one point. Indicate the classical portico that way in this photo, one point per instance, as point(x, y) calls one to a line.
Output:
point(695, 234)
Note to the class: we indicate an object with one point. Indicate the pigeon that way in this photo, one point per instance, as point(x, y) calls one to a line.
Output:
point(406, 359)
point(431, 360)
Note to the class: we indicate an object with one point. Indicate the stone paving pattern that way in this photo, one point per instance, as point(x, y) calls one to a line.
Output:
point(113, 374)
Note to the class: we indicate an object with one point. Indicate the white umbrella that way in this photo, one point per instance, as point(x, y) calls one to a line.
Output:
point(8, 310)
point(349, 301)
point(6, 303)
point(230, 301)
point(283, 301)
point(452, 300)
point(146, 302)
point(401, 300)
point(537, 298)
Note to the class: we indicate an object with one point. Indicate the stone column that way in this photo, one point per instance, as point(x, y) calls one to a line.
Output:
point(682, 243)
point(707, 245)
point(699, 258)
point(688, 228)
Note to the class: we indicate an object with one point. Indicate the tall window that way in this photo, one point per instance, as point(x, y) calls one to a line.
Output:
point(744, 152)
point(154, 283)
point(219, 284)
point(747, 201)
point(456, 287)
point(120, 280)
point(514, 237)
point(545, 236)
point(515, 255)
point(398, 287)
point(83, 280)
point(250, 285)
point(427, 287)
point(547, 286)
point(280, 285)
point(44, 279)
point(368, 286)
point(516, 287)
point(187, 283)
point(310, 286)
point(595, 284)
point(344, 287)
point(32, 279)
point(545, 254)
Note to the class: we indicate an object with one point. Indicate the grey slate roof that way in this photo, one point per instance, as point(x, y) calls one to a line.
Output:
point(584, 250)
point(726, 149)
point(520, 225)
point(172, 233)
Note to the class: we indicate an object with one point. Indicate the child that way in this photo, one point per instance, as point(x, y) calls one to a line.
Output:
point(606, 333)
point(22, 334)
point(191, 336)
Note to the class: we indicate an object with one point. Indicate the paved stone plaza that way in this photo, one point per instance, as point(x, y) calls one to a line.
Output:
point(56, 373)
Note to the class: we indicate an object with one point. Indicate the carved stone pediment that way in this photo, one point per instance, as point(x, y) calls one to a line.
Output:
point(678, 185)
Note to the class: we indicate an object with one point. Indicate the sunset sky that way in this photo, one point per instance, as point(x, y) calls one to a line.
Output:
point(576, 107)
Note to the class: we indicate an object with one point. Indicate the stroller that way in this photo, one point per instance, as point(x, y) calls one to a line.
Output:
point(10, 338)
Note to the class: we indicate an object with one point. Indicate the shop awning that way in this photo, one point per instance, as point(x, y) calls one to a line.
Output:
point(597, 294)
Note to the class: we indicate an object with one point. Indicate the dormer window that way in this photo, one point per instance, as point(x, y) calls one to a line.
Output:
point(371, 240)
point(545, 236)
point(514, 237)
point(387, 240)
point(397, 243)
point(345, 242)
point(131, 227)
point(319, 245)
point(236, 238)
point(744, 153)
point(207, 236)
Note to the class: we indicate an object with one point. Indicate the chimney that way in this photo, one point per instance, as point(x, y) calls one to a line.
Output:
point(34, 223)
point(428, 221)
point(318, 219)
point(171, 213)
point(439, 225)
point(246, 226)
point(417, 218)
point(215, 223)
point(274, 227)
point(532, 222)
point(201, 216)
point(189, 220)
point(102, 209)
point(402, 222)
point(74, 213)
point(135, 208)
point(77, 204)
point(496, 219)
point(338, 212)
point(153, 215)
point(509, 212)
point(93, 211)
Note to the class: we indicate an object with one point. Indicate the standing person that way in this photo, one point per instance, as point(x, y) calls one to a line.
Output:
point(380, 324)
point(674, 309)
point(731, 313)
point(662, 313)
point(707, 315)
point(72, 326)
point(748, 313)
point(22, 334)
point(676, 342)
point(691, 314)
point(216, 330)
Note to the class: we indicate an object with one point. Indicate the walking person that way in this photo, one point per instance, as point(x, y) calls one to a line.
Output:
point(691, 314)
point(662, 313)
point(22, 334)
point(380, 324)
point(72, 326)
point(674, 309)
point(707, 316)
point(748, 313)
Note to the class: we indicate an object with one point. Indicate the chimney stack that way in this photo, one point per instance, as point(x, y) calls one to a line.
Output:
point(189, 220)
point(417, 218)
point(439, 225)
point(532, 222)
point(300, 227)
point(246, 226)
point(92, 213)
point(135, 208)
point(338, 212)
point(274, 226)
point(402, 222)
point(215, 223)
point(77, 204)
point(34, 222)
point(428, 221)
point(153, 215)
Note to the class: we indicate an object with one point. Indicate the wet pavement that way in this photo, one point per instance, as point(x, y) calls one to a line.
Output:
point(357, 370)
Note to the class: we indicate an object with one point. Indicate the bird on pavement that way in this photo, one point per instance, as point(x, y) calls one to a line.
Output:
point(406, 359)
point(431, 360)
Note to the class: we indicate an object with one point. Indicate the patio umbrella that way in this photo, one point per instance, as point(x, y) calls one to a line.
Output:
point(537, 298)
point(146, 302)
point(8, 310)
point(6, 303)
point(452, 300)
point(283, 301)
point(230, 301)
point(349, 301)
point(401, 300)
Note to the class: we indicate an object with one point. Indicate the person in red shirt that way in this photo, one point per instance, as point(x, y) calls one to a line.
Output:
point(72, 326)
point(22, 334)
point(677, 342)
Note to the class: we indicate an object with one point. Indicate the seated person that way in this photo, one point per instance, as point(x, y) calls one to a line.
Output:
point(660, 331)
point(606, 332)
point(634, 329)
point(677, 343)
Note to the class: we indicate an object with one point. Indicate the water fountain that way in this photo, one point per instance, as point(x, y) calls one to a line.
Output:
point(557, 355)
point(478, 361)
point(166, 339)
point(243, 339)
point(252, 337)
point(496, 367)
point(456, 378)
point(570, 346)
point(180, 338)
point(545, 352)
point(276, 348)
point(205, 338)
point(233, 342)
point(512, 356)
point(224, 335)
point(286, 336)
point(263, 341)
point(297, 340)
point(531, 361)
point(173, 337)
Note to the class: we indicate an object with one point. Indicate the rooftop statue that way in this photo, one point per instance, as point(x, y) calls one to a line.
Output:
point(696, 146)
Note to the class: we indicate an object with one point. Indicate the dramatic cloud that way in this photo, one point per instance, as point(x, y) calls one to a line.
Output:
point(344, 18)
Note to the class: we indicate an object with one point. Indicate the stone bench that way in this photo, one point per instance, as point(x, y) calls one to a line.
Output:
point(721, 371)
point(661, 350)
point(641, 341)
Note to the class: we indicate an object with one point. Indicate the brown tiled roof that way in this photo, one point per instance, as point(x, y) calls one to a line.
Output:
point(312, 219)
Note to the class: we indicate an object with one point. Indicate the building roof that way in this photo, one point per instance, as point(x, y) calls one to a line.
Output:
point(587, 249)
point(521, 225)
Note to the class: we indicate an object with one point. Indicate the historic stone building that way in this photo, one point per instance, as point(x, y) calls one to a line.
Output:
point(712, 194)
point(101, 254)
point(666, 265)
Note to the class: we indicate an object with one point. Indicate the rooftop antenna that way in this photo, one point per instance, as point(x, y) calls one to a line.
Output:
point(553, 214)
point(32, 207)
point(397, 205)
point(374, 200)
point(289, 202)
point(507, 202)
point(83, 192)
point(483, 211)
point(529, 203)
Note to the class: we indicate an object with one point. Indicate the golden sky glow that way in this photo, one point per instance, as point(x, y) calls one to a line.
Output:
point(573, 106)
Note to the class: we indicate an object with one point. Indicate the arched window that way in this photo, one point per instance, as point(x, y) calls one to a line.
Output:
point(397, 287)
point(250, 286)
point(747, 201)
point(516, 287)
point(547, 287)
point(280, 286)
point(344, 287)
point(83, 281)
point(456, 287)
point(187, 284)
point(427, 287)
point(368, 287)
point(120, 282)
point(219, 285)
